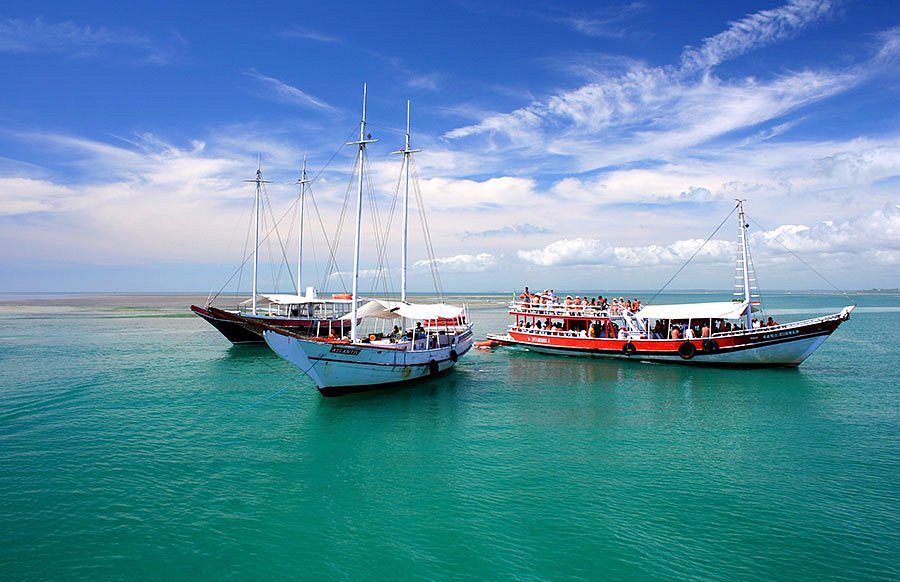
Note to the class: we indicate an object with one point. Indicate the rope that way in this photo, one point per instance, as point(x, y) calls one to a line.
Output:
point(685, 264)
point(765, 231)
point(429, 247)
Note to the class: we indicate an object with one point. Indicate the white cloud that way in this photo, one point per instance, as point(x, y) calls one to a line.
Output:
point(588, 251)
point(278, 90)
point(40, 36)
point(873, 237)
point(460, 263)
point(310, 34)
point(754, 31)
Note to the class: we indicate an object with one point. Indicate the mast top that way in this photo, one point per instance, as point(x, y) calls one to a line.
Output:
point(259, 179)
point(406, 149)
point(303, 179)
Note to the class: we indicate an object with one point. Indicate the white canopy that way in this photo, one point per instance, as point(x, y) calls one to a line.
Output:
point(383, 309)
point(285, 299)
point(717, 310)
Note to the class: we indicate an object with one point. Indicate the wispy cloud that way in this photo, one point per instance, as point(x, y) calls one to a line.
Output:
point(755, 31)
point(609, 21)
point(71, 39)
point(515, 230)
point(310, 34)
point(280, 91)
point(636, 112)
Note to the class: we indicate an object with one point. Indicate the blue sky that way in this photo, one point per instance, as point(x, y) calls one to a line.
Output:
point(581, 146)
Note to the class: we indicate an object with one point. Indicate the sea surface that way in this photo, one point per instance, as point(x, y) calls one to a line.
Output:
point(136, 442)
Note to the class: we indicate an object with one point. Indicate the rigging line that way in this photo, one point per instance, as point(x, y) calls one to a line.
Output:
point(290, 209)
point(332, 264)
point(762, 308)
point(808, 266)
point(287, 243)
point(247, 257)
point(332, 251)
point(287, 264)
point(237, 291)
point(334, 155)
point(380, 235)
point(429, 246)
point(234, 234)
point(382, 252)
point(685, 264)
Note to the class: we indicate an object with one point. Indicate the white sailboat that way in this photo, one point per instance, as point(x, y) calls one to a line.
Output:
point(441, 336)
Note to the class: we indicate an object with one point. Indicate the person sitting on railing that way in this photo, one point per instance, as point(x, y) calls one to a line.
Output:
point(537, 324)
point(771, 322)
point(756, 324)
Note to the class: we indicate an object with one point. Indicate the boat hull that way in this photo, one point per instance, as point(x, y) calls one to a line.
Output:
point(244, 329)
point(785, 346)
point(340, 368)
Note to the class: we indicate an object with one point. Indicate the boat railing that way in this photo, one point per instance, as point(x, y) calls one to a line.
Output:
point(563, 310)
point(779, 327)
point(560, 332)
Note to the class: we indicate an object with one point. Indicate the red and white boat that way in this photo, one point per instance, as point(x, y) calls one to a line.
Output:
point(305, 315)
point(713, 334)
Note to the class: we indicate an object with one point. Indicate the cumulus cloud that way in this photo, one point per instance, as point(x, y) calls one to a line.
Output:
point(588, 251)
point(460, 263)
point(873, 237)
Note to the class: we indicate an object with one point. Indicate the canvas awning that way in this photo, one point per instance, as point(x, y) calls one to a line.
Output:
point(383, 309)
point(717, 310)
point(285, 299)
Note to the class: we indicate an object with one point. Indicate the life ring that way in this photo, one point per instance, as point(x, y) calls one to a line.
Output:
point(687, 350)
point(628, 349)
point(454, 356)
point(433, 368)
point(342, 296)
point(710, 346)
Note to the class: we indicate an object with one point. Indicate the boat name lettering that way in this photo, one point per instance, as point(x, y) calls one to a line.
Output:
point(345, 350)
point(539, 340)
point(781, 333)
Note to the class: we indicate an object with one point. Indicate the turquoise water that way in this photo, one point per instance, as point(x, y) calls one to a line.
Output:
point(136, 442)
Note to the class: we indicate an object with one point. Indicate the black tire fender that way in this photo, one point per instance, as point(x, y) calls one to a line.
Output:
point(710, 346)
point(687, 350)
point(454, 356)
point(628, 349)
point(433, 367)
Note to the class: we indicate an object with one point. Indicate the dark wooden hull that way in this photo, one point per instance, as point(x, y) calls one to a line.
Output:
point(245, 329)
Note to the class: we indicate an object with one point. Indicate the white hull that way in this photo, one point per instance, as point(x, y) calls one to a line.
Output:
point(338, 368)
point(791, 353)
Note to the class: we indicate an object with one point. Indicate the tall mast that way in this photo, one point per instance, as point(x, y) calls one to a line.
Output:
point(406, 151)
point(359, 197)
point(259, 182)
point(745, 264)
point(303, 181)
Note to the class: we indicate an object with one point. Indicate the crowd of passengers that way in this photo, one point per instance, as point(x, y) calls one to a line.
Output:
point(675, 330)
point(615, 305)
point(681, 329)
point(580, 329)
